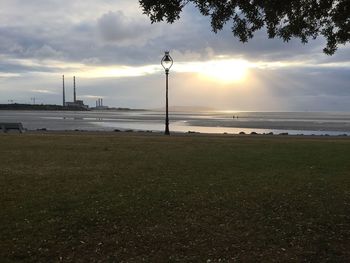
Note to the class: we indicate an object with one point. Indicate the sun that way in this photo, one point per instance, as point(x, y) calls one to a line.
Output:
point(225, 71)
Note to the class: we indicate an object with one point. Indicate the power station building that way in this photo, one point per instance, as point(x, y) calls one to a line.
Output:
point(75, 103)
point(99, 105)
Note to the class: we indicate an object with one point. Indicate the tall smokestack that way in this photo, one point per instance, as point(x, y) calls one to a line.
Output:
point(101, 102)
point(75, 94)
point(64, 93)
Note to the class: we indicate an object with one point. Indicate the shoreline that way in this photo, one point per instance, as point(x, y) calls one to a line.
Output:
point(143, 133)
point(143, 121)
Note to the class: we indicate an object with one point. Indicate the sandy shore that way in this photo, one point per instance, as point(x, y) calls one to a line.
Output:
point(217, 123)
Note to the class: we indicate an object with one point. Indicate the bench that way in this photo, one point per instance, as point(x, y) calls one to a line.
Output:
point(11, 126)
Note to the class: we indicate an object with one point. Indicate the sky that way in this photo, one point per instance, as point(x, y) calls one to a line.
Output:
point(114, 52)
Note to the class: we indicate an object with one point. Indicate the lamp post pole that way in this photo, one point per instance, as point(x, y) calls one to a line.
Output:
point(167, 62)
point(167, 132)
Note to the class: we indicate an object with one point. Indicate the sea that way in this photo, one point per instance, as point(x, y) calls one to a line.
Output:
point(230, 122)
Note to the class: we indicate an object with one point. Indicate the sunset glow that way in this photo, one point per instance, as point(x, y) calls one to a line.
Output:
point(220, 70)
point(226, 70)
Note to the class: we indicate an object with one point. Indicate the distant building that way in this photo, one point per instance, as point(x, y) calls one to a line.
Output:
point(77, 104)
point(99, 105)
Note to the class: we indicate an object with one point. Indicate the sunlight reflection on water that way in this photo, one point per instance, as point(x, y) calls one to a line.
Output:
point(182, 127)
point(308, 123)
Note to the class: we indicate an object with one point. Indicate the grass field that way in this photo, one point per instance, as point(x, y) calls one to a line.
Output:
point(133, 198)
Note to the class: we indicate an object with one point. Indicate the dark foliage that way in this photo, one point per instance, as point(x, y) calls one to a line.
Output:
point(302, 19)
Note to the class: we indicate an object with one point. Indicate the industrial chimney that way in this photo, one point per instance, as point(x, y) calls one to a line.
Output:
point(75, 94)
point(64, 94)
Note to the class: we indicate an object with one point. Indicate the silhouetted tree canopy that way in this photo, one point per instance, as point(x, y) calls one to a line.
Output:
point(302, 19)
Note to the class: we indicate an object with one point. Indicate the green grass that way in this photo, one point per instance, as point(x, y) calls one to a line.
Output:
point(133, 198)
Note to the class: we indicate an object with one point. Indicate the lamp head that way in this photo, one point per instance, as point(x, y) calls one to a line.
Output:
point(167, 61)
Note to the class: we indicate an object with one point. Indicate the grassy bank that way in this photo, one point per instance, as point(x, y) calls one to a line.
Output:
point(132, 198)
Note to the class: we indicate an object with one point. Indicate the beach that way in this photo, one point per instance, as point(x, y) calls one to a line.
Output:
point(215, 122)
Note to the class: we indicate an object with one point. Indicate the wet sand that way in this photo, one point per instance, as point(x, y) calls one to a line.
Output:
point(334, 124)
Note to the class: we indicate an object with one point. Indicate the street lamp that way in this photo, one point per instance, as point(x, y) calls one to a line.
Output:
point(167, 62)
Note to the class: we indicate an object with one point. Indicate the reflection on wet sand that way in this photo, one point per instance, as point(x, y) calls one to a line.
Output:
point(318, 123)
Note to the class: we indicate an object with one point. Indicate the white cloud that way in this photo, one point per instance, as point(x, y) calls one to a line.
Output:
point(44, 91)
point(45, 51)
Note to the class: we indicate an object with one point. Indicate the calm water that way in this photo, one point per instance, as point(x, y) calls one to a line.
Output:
point(318, 123)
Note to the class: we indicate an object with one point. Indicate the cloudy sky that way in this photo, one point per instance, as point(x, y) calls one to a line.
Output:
point(115, 52)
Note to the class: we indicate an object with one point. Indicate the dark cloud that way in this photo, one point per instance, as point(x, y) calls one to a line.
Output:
point(122, 30)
